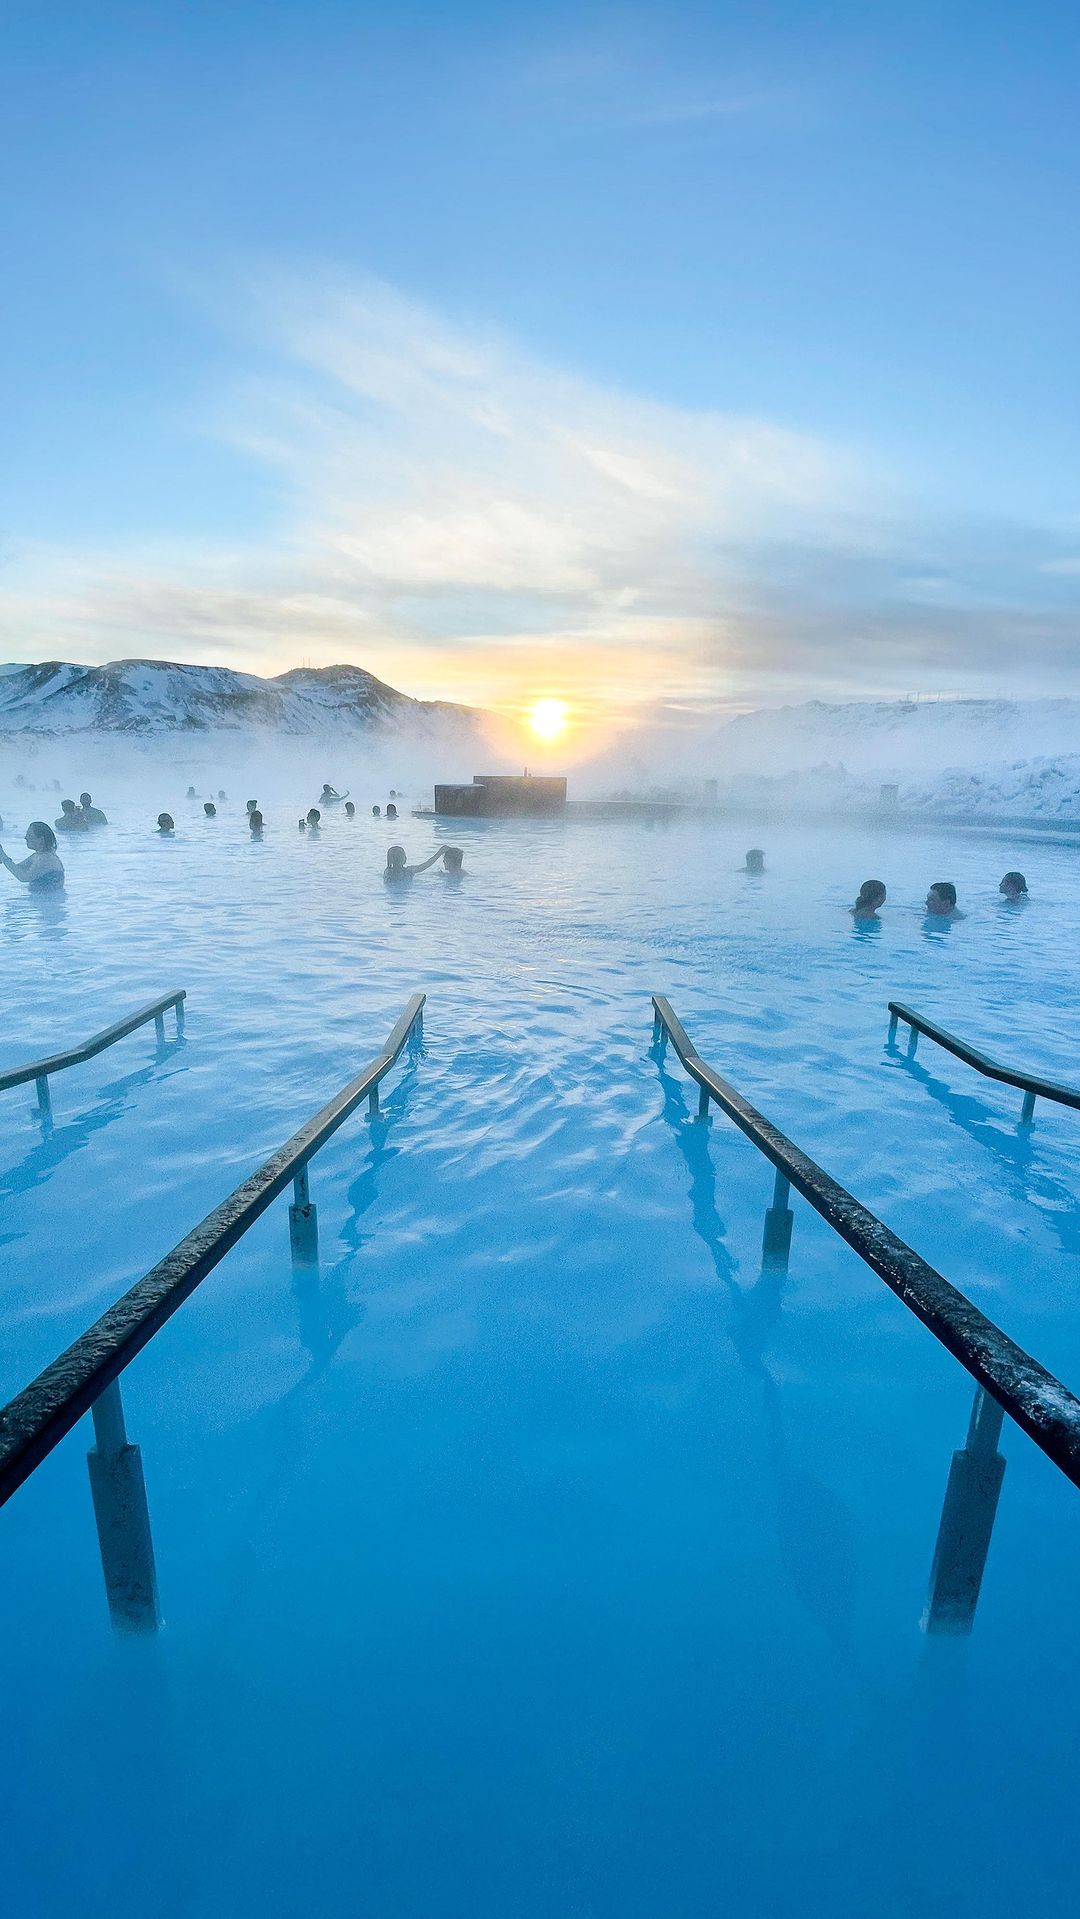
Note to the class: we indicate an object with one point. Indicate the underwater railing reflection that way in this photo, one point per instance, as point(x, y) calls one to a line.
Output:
point(86, 1378)
point(40, 1070)
point(1030, 1084)
point(1009, 1380)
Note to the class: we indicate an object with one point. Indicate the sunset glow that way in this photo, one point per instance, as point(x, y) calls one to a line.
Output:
point(547, 719)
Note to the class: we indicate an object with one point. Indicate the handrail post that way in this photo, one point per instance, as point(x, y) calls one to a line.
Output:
point(118, 1490)
point(913, 1041)
point(373, 1101)
point(967, 1522)
point(179, 1017)
point(303, 1223)
point(893, 1018)
point(703, 1103)
point(776, 1235)
point(44, 1097)
point(1028, 1112)
point(159, 1028)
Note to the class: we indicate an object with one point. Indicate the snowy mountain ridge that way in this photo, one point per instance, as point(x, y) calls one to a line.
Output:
point(148, 697)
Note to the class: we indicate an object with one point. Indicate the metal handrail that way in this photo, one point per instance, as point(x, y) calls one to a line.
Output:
point(40, 1069)
point(1045, 1409)
point(1029, 1083)
point(37, 1419)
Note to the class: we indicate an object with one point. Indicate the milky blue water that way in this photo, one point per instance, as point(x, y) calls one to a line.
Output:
point(548, 1557)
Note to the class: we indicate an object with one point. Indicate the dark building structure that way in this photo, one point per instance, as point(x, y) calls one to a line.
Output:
point(502, 796)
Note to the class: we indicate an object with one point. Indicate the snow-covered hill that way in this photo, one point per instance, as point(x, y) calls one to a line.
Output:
point(147, 697)
point(896, 739)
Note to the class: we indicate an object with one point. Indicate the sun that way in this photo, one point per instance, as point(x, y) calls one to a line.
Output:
point(548, 719)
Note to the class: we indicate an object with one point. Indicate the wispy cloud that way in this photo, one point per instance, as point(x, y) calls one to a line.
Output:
point(475, 523)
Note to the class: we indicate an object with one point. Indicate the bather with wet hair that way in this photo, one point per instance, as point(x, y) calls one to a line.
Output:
point(871, 896)
point(43, 872)
point(397, 869)
point(92, 814)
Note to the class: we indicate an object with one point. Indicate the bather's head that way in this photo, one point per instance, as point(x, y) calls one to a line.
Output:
point(395, 859)
point(452, 858)
point(376, 812)
point(871, 896)
point(209, 809)
point(350, 810)
point(1014, 886)
point(165, 822)
point(85, 800)
point(755, 860)
point(941, 899)
point(40, 837)
point(252, 805)
point(313, 816)
point(391, 811)
point(68, 807)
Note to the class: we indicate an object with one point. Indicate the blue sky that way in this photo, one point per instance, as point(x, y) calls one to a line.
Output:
point(719, 353)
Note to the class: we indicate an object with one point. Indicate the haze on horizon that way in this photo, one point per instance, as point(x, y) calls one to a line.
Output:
point(653, 361)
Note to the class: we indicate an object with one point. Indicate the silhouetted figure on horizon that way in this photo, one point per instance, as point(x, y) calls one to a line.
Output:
point(43, 872)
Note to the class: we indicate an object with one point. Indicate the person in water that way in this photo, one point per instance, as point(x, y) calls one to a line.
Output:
point(941, 901)
point(43, 872)
point(396, 868)
point(755, 861)
point(92, 814)
point(376, 812)
point(71, 820)
point(210, 809)
point(452, 858)
point(302, 824)
point(871, 896)
point(350, 810)
point(255, 821)
point(391, 811)
point(191, 794)
point(329, 793)
point(313, 817)
point(165, 823)
point(252, 806)
point(1013, 888)
point(221, 793)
